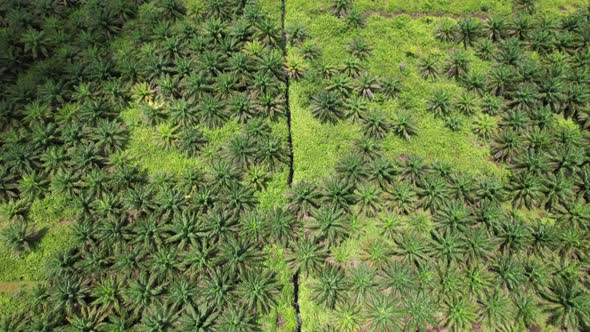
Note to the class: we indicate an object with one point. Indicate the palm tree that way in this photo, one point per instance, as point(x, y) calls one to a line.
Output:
point(412, 247)
point(239, 255)
point(479, 245)
point(355, 19)
point(8, 187)
point(329, 288)
point(567, 305)
point(327, 107)
point(475, 82)
point(303, 198)
point(70, 294)
point(271, 151)
point(32, 185)
point(413, 169)
point(520, 27)
point(192, 141)
point(236, 319)
point(404, 125)
point(356, 108)
point(368, 198)
point(201, 257)
point(485, 49)
point(390, 87)
point(461, 314)
point(348, 318)
point(212, 112)
point(454, 217)
point(35, 43)
point(240, 151)
point(446, 31)
point(341, 7)
point(434, 193)
point(421, 312)
point(458, 64)
point(397, 277)
point(527, 310)
point(258, 291)
point(380, 170)
point(351, 169)
point(338, 192)
point(19, 237)
point(496, 311)
point(281, 226)
point(382, 314)
point(362, 282)
point(513, 234)
point(558, 190)
point(307, 256)
point(446, 247)
point(223, 174)
point(526, 190)
point(107, 295)
point(198, 319)
point(428, 67)
point(159, 317)
point(109, 136)
point(376, 124)
point(440, 103)
point(329, 225)
point(494, 28)
point(468, 30)
point(367, 85)
point(359, 48)
point(510, 273)
point(484, 126)
point(467, 104)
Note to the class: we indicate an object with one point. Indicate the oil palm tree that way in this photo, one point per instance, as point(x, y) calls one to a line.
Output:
point(458, 64)
point(327, 107)
point(434, 193)
point(440, 103)
point(496, 311)
point(329, 288)
point(329, 224)
point(239, 255)
point(461, 314)
point(428, 67)
point(19, 237)
point(468, 30)
point(281, 226)
point(495, 28)
point(338, 192)
point(381, 171)
point(303, 198)
point(367, 85)
point(198, 319)
point(376, 124)
point(404, 125)
point(526, 190)
point(307, 256)
point(382, 314)
point(368, 198)
point(352, 169)
point(258, 290)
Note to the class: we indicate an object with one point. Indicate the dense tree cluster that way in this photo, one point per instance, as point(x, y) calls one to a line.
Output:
point(152, 253)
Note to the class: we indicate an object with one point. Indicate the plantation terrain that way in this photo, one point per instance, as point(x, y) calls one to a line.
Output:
point(294, 165)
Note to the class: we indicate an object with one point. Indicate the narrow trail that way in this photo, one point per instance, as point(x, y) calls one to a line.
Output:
point(295, 279)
